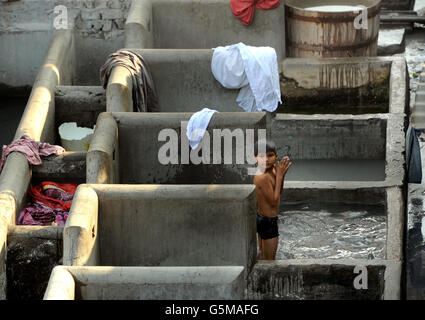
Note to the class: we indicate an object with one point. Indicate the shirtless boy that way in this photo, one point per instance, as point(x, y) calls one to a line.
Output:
point(269, 185)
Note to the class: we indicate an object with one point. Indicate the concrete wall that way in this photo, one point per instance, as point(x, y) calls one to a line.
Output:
point(91, 53)
point(30, 23)
point(377, 140)
point(18, 65)
point(81, 104)
point(32, 253)
point(161, 225)
point(364, 147)
point(38, 123)
point(202, 25)
point(146, 283)
point(324, 279)
point(185, 83)
point(139, 146)
point(330, 137)
point(347, 85)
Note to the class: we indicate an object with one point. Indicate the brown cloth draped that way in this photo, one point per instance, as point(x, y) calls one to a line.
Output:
point(144, 94)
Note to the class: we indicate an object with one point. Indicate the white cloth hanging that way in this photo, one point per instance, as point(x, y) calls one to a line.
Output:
point(252, 69)
point(197, 125)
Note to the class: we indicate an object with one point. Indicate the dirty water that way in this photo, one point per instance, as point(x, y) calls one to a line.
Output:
point(317, 231)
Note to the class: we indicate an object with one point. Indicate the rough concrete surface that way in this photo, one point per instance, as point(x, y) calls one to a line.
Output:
point(306, 279)
point(31, 256)
point(146, 283)
point(195, 225)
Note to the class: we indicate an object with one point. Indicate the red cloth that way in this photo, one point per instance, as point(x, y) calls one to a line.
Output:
point(31, 149)
point(38, 196)
point(50, 202)
point(244, 9)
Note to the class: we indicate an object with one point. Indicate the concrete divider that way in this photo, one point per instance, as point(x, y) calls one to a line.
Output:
point(38, 123)
point(345, 147)
point(184, 81)
point(31, 248)
point(139, 25)
point(155, 24)
point(103, 166)
point(146, 283)
point(80, 104)
point(142, 140)
point(162, 225)
point(357, 85)
point(325, 279)
point(81, 229)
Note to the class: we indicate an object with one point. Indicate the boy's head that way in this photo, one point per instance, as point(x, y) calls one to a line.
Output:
point(265, 153)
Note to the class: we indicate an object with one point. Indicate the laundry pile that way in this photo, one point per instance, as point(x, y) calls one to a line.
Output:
point(32, 150)
point(49, 205)
point(144, 94)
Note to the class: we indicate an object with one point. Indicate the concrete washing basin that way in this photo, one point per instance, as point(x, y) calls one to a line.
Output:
point(145, 283)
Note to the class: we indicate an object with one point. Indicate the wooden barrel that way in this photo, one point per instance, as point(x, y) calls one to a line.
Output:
point(312, 32)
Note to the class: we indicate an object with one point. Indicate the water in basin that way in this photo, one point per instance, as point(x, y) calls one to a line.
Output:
point(332, 231)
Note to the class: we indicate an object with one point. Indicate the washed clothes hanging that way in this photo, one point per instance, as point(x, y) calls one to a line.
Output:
point(197, 125)
point(252, 69)
point(31, 149)
point(144, 94)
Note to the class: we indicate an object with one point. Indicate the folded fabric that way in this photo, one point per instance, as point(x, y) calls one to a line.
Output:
point(143, 93)
point(197, 125)
point(244, 9)
point(37, 214)
point(50, 203)
point(254, 70)
point(54, 195)
point(31, 149)
point(413, 157)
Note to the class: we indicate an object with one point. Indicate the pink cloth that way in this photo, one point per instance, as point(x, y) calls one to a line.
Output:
point(31, 149)
point(244, 9)
point(36, 214)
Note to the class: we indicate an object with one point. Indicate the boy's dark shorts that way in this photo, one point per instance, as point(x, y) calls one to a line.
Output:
point(267, 227)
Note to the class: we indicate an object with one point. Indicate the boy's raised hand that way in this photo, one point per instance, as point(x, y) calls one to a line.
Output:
point(282, 166)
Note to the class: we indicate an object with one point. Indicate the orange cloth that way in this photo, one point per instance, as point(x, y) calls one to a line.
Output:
point(244, 9)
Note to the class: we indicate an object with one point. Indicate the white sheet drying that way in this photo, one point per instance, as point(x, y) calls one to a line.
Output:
point(197, 125)
point(254, 70)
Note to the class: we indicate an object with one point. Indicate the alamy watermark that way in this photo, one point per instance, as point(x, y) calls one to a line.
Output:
point(221, 151)
point(61, 19)
point(361, 22)
point(360, 281)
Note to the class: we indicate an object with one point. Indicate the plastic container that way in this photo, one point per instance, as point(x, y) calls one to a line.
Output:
point(74, 138)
